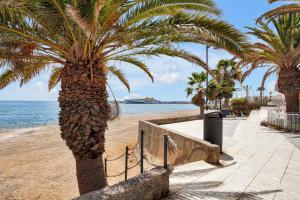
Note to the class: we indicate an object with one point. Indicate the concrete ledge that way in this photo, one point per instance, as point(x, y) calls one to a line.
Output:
point(148, 186)
point(174, 120)
point(189, 149)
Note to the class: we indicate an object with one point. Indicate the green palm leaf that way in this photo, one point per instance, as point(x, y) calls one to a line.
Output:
point(120, 75)
point(54, 78)
point(285, 9)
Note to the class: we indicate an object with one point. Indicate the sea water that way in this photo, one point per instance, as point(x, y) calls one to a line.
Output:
point(23, 114)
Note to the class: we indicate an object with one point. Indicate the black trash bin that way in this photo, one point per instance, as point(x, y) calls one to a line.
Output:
point(213, 128)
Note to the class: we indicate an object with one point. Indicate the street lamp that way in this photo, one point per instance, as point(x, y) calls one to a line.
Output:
point(206, 99)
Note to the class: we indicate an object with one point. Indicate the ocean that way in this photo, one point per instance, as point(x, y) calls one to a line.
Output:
point(25, 114)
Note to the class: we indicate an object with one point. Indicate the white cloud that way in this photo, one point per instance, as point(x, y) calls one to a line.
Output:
point(41, 87)
point(169, 73)
point(168, 78)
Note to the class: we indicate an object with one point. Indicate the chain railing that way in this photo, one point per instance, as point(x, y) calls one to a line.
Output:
point(143, 157)
point(126, 157)
point(280, 119)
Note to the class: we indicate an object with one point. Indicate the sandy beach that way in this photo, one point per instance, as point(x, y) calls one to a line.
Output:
point(36, 164)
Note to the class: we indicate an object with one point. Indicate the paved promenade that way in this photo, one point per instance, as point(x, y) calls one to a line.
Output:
point(195, 128)
point(259, 163)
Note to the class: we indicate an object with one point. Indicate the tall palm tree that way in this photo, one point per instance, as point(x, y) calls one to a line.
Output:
point(288, 8)
point(279, 52)
point(247, 89)
point(83, 41)
point(228, 71)
point(261, 90)
point(196, 89)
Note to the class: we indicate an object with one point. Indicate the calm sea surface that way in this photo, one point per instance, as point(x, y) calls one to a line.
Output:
point(22, 114)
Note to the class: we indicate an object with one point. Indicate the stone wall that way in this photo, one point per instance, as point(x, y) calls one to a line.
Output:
point(189, 149)
point(147, 186)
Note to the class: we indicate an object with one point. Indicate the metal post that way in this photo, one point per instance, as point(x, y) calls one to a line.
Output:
point(206, 98)
point(126, 162)
point(165, 151)
point(142, 151)
point(105, 166)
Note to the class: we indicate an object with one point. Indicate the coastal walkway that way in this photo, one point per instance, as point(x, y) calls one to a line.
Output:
point(258, 163)
point(195, 128)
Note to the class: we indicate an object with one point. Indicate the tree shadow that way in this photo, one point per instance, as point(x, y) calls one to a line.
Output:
point(194, 171)
point(201, 171)
point(209, 189)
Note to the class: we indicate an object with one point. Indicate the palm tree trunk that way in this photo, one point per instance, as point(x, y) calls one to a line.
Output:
point(226, 102)
point(90, 174)
point(202, 111)
point(83, 120)
point(289, 85)
point(292, 102)
point(261, 98)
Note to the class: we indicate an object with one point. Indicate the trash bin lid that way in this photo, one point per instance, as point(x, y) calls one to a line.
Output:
point(216, 114)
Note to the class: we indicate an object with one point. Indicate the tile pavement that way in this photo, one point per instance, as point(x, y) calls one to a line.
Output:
point(259, 163)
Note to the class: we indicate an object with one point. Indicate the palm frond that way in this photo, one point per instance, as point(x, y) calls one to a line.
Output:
point(54, 78)
point(31, 70)
point(285, 9)
point(268, 73)
point(189, 91)
point(105, 31)
point(120, 75)
point(8, 77)
point(136, 62)
point(155, 8)
point(86, 14)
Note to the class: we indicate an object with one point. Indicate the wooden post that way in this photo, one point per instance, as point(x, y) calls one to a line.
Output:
point(105, 166)
point(165, 151)
point(142, 151)
point(126, 163)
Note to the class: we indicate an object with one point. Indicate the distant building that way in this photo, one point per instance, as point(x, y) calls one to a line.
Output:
point(147, 100)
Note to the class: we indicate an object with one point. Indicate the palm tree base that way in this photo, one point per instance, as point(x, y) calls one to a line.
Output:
point(292, 102)
point(90, 174)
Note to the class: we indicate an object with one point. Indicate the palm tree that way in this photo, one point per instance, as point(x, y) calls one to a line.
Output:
point(261, 90)
point(197, 90)
point(279, 52)
point(83, 41)
point(228, 71)
point(212, 92)
point(247, 89)
point(288, 8)
point(219, 90)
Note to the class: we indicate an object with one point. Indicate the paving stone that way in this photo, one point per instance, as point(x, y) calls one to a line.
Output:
point(265, 165)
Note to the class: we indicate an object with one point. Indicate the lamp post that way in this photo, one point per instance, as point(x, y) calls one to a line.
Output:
point(206, 99)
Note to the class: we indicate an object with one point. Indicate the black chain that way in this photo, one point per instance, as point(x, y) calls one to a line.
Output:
point(116, 175)
point(122, 155)
point(154, 165)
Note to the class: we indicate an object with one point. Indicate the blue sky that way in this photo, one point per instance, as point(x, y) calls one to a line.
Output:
point(170, 74)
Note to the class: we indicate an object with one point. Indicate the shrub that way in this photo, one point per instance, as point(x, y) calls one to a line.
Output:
point(240, 106)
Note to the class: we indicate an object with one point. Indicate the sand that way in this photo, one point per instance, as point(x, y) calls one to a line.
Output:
point(35, 163)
